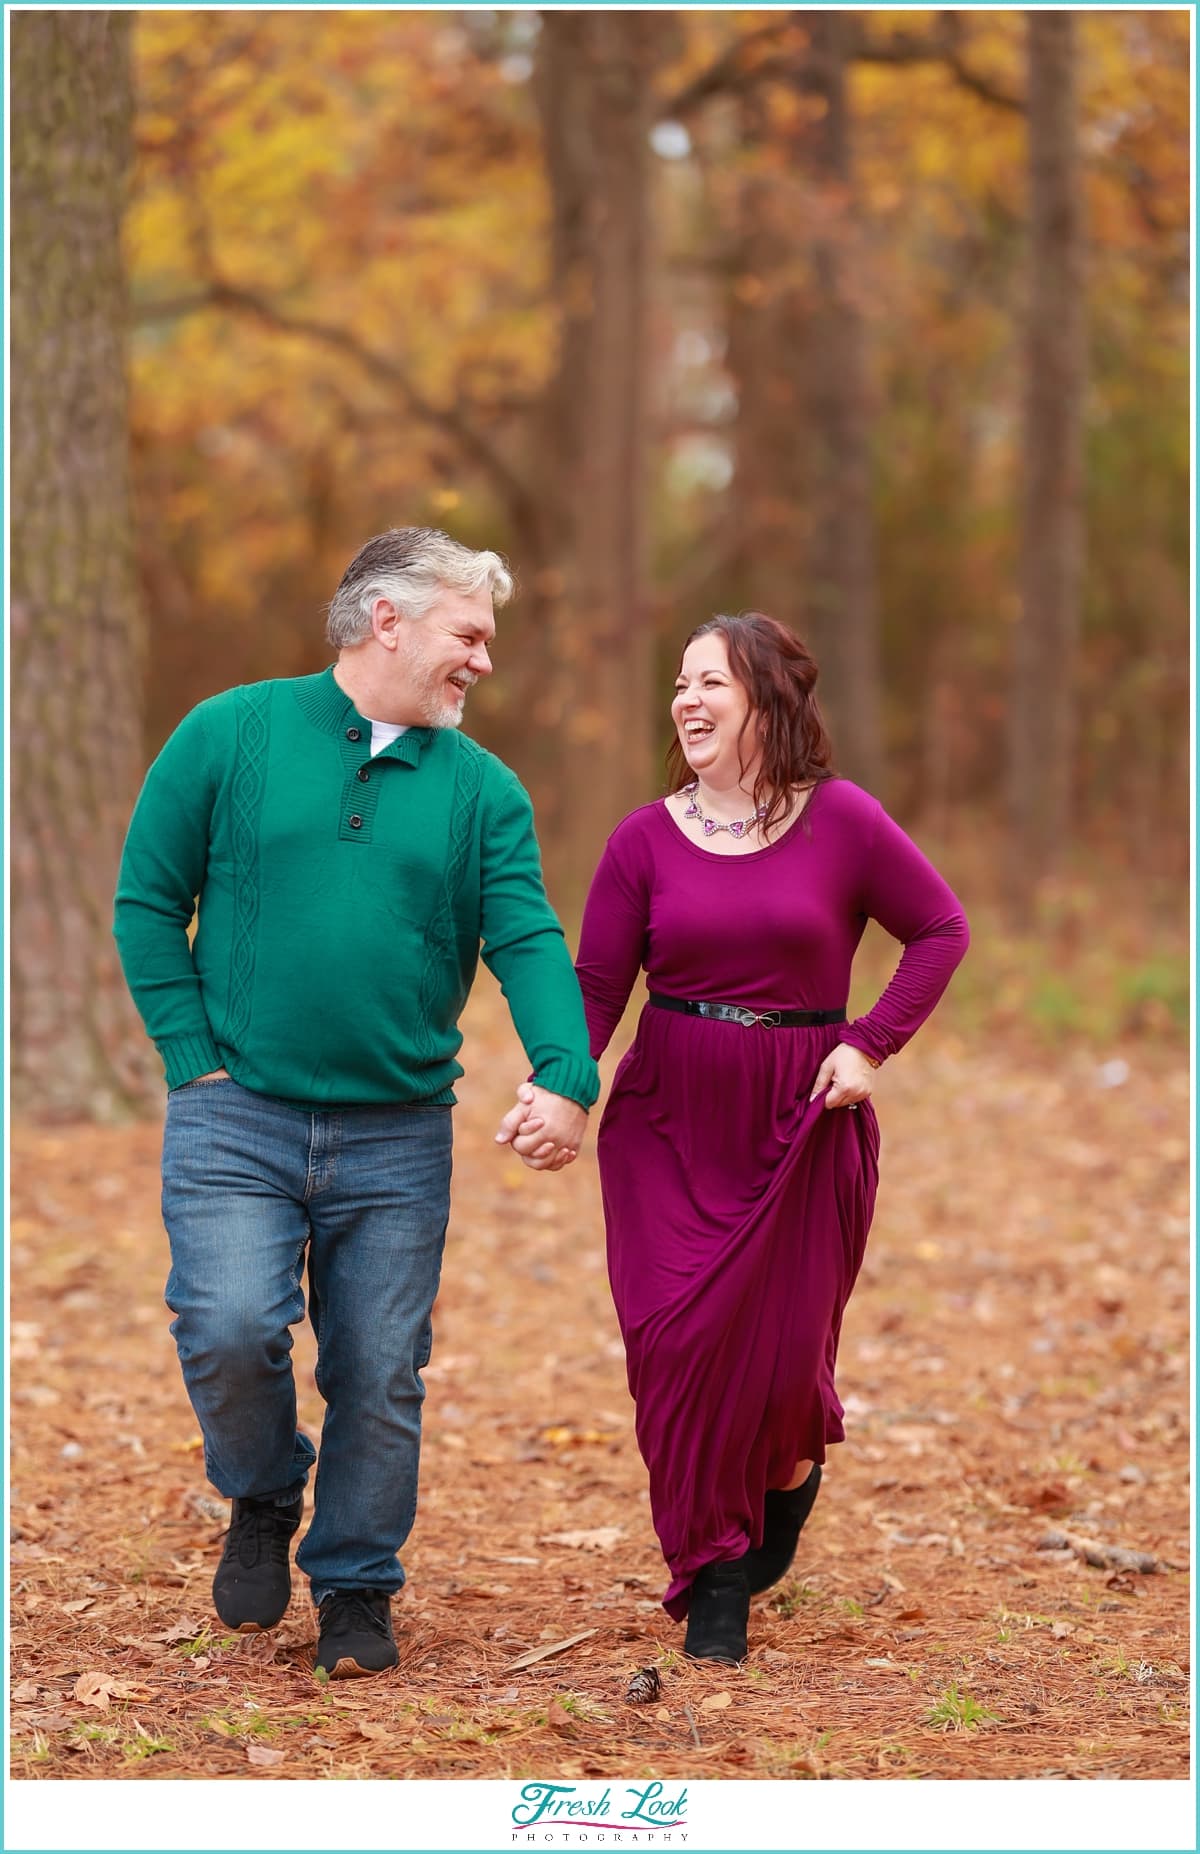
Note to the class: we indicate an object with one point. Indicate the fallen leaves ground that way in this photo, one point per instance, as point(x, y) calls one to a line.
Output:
point(1014, 1364)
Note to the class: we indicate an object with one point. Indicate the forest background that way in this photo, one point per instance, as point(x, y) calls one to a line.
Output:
point(874, 320)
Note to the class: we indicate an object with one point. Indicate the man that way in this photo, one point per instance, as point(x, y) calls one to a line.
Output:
point(349, 850)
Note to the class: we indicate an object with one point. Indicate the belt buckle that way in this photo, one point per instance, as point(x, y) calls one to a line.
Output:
point(771, 1019)
point(745, 1017)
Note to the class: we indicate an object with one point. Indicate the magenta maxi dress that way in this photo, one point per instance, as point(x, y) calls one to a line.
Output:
point(737, 1213)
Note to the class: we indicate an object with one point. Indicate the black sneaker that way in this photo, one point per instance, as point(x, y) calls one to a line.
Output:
point(718, 1613)
point(356, 1634)
point(253, 1584)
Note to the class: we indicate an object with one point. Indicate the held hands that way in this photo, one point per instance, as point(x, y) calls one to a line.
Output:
point(848, 1076)
point(545, 1130)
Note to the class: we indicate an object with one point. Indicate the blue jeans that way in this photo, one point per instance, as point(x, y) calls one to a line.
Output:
point(249, 1184)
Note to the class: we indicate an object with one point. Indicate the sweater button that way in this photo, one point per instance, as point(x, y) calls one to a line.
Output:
point(355, 822)
point(353, 733)
point(362, 774)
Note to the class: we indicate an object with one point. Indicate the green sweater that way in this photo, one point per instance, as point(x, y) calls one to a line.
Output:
point(342, 902)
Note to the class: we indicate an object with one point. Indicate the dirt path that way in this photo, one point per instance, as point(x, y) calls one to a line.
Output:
point(1014, 1363)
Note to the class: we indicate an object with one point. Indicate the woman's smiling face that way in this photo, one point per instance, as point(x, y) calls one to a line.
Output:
point(709, 712)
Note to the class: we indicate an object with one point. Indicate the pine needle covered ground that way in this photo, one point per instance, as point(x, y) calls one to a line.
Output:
point(1015, 1370)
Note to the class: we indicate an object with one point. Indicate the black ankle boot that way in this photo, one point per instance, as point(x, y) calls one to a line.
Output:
point(784, 1513)
point(719, 1612)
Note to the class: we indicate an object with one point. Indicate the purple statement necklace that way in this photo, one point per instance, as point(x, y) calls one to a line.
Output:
point(737, 827)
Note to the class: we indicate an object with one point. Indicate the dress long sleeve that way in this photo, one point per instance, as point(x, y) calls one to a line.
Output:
point(910, 900)
point(612, 940)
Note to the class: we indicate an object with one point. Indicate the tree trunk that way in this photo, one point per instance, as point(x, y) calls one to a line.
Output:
point(77, 1046)
point(1043, 722)
point(766, 334)
point(594, 90)
point(840, 589)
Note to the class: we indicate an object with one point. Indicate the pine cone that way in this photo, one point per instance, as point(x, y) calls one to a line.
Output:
point(644, 1686)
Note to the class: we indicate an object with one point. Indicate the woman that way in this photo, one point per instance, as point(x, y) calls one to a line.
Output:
point(738, 1151)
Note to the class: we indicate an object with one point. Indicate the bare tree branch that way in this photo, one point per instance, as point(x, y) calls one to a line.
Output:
point(738, 69)
point(731, 72)
point(453, 420)
point(944, 45)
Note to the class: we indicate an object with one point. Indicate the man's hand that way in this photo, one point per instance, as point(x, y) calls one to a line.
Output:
point(847, 1074)
point(545, 1130)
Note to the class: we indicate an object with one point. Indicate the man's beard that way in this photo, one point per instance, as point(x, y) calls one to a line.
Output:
point(437, 710)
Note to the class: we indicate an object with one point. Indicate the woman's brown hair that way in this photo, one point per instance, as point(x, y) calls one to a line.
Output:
point(778, 675)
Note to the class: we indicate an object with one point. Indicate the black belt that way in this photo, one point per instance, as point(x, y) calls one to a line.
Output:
point(738, 1014)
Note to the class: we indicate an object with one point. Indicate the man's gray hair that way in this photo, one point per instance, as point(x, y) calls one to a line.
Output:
point(411, 567)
